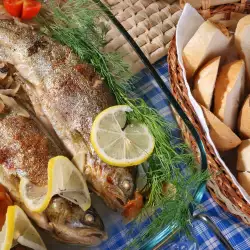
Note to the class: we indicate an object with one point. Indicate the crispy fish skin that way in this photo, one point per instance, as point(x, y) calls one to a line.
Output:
point(71, 94)
point(25, 151)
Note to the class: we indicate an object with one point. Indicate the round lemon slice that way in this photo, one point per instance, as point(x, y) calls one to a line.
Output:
point(18, 229)
point(64, 179)
point(118, 143)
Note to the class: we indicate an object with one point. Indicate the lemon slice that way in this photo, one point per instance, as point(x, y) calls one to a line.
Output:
point(18, 228)
point(64, 179)
point(80, 159)
point(117, 143)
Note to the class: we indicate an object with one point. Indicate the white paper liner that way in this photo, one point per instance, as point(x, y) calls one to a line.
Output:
point(189, 22)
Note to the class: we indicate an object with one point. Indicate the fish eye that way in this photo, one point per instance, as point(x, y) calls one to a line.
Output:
point(89, 218)
point(126, 185)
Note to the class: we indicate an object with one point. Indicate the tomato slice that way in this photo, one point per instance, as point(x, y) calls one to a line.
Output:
point(30, 9)
point(14, 7)
point(5, 201)
point(25, 9)
point(133, 207)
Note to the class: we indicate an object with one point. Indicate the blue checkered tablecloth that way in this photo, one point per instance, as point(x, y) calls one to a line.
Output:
point(120, 235)
point(237, 233)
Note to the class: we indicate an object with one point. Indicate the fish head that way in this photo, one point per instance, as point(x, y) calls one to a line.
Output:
point(118, 188)
point(71, 224)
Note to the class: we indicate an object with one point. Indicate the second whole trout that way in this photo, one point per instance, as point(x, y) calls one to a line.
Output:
point(70, 95)
point(25, 149)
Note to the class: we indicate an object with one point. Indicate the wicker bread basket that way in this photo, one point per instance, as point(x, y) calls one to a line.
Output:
point(221, 185)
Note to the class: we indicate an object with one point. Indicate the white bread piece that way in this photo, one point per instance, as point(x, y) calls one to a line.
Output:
point(209, 41)
point(242, 42)
point(243, 159)
point(222, 136)
point(244, 180)
point(229, 91)
point(204, 82)
point(244, 120)
point(231, 23)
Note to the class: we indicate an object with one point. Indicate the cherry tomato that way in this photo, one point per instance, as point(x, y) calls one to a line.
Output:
point(5, 201)
point(13, 7)
point(30, 9)
point(25, 9)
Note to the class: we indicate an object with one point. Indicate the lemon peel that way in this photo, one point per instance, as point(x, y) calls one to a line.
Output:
point(64, 179)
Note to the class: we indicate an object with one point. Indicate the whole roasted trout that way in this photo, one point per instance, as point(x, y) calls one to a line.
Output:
point(70, 94)
point(25, 150)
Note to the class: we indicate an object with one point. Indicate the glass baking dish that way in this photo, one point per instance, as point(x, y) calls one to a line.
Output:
point(120, 233)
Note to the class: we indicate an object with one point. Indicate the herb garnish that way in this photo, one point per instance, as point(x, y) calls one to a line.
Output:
point(75, 24)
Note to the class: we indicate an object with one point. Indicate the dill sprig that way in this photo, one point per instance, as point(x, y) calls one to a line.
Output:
point(77, 24)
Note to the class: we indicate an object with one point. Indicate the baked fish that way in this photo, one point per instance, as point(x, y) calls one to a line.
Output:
point(70, 94)
point(25, 150)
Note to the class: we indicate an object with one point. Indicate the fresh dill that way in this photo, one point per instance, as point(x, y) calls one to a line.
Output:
point(75, 24)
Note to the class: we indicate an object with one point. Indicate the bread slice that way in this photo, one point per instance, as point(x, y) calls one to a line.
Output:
point(229, 92)
point(223, 137)
point(208, 42)
point(244, 120)
point(242, 42)
point(204, 82)
point(243, 159)
point(244, 180)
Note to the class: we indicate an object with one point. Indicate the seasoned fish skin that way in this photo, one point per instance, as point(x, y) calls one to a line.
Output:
point(71, 94)
point(25, 151)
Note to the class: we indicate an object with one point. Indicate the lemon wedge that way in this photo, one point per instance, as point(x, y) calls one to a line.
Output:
point(118, 143)
point(64, 179)
point(18, 229)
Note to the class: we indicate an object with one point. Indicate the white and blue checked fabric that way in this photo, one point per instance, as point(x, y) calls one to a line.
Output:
point(120, 235)
point(236, 232)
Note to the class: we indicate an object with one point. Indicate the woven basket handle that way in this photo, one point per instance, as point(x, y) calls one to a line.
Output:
point(208, 8)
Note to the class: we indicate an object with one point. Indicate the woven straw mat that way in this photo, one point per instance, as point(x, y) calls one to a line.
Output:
point(151, 23)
